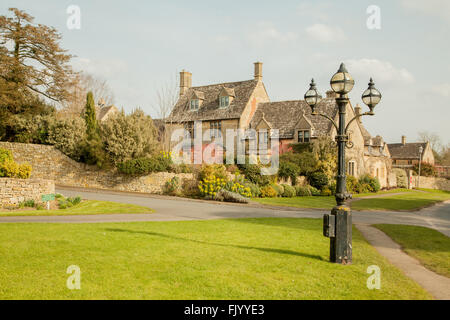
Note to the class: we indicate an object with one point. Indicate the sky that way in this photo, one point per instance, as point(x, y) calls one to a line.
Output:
point(140, 46)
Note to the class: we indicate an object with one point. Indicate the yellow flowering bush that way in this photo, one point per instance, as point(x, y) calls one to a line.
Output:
point(209, 186)
point(241, 189)
point(166, 155)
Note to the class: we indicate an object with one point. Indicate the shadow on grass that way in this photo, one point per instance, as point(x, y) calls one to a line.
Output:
point(269, 250)
point(292, 223)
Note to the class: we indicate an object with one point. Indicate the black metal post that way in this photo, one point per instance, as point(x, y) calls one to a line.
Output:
point(341, 243)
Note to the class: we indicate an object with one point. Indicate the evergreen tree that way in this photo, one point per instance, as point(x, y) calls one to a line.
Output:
point(90, 117)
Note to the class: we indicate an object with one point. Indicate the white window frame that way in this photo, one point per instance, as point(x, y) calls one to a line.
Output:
point(224, 101)
point(195, 104)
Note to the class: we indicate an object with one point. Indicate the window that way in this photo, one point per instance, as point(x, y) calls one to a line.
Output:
point(263, 137)
point(194, 104)
point(224, 101)
point(216, 128)
point(189, 127)
point(304, 136)
point(351, 168)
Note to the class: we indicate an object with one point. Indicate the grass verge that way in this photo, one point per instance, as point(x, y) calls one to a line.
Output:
point(408, 200)
point(429, 246)
point(265, 258)
point(88, 207)
point(414, 200)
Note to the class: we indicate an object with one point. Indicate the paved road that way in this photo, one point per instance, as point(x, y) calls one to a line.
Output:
point(172, 209)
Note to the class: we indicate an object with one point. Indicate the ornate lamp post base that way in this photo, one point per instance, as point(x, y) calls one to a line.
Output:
point(341, 243)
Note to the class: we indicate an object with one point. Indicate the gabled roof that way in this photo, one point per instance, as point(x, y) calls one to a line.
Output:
point(198, 95)
point(210, 109)
point(103, 112)
point(407, 150)
point(284, 115)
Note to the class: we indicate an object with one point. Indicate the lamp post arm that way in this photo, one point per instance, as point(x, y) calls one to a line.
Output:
point(356, 117)
point(329, 118)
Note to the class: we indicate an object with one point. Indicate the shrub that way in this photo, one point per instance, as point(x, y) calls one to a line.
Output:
point(254, 189)
point(268, 192)
point(372, 182)
point(10, 169)
point(318, 180)
point(314, 191)
point(289, 191)
point(28, 203)
point(303, 191)
point(189, 188)
point(141, 166)
point(229, 196)
point(208, 187)
point(426, 169)
point(278, 189)
point(128, 137)
point(5, 155)
point(237, 187)
point(289, 170)
point(171, 186)
point(305, 161)
point(213, 170)
point(326, 192)
point(252, 173)
point(402, 179)
point(61, 135)
point(74, 201)
point(332, 187)
point(352, 184)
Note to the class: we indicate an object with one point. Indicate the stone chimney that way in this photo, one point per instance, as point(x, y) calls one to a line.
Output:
point(358, 112)
point(403, 140)
point(331, 94)
point(185, 82)
point(258, 71)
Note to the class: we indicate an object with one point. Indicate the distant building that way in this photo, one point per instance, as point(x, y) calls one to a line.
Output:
point(103, 112)
point(406, 155)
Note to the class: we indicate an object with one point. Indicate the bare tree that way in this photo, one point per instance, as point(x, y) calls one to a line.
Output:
point(87, 83)
point(433, 139)
point(166, 98)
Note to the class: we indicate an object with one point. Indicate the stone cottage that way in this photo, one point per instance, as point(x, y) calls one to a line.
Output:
point(246, 105)
point(406, 155)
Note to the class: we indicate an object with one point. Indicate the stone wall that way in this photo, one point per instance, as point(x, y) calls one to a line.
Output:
point(14, 191)
point(432, 183)
point(50, 163)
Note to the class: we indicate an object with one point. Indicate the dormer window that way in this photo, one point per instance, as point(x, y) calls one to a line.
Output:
point(226, 97)
point(224, 101)
point(195, 104)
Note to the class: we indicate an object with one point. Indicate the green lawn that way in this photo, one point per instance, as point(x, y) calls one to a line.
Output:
point(409, 200)
point(429, 246)
point(88, 207)
point(318, 202)
point(266, 258)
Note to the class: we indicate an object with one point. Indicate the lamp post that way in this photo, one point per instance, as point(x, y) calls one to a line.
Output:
point(338, 225)
point(420, 162)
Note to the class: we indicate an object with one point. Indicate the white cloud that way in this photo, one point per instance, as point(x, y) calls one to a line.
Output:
point(266, 32)
point(107, 67)
point(442, 90)
point(439, 8)
point(324, 33)
point(382, 71)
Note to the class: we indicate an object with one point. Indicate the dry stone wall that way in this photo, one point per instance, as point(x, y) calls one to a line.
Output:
point(50, 163)
point(14, 191)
